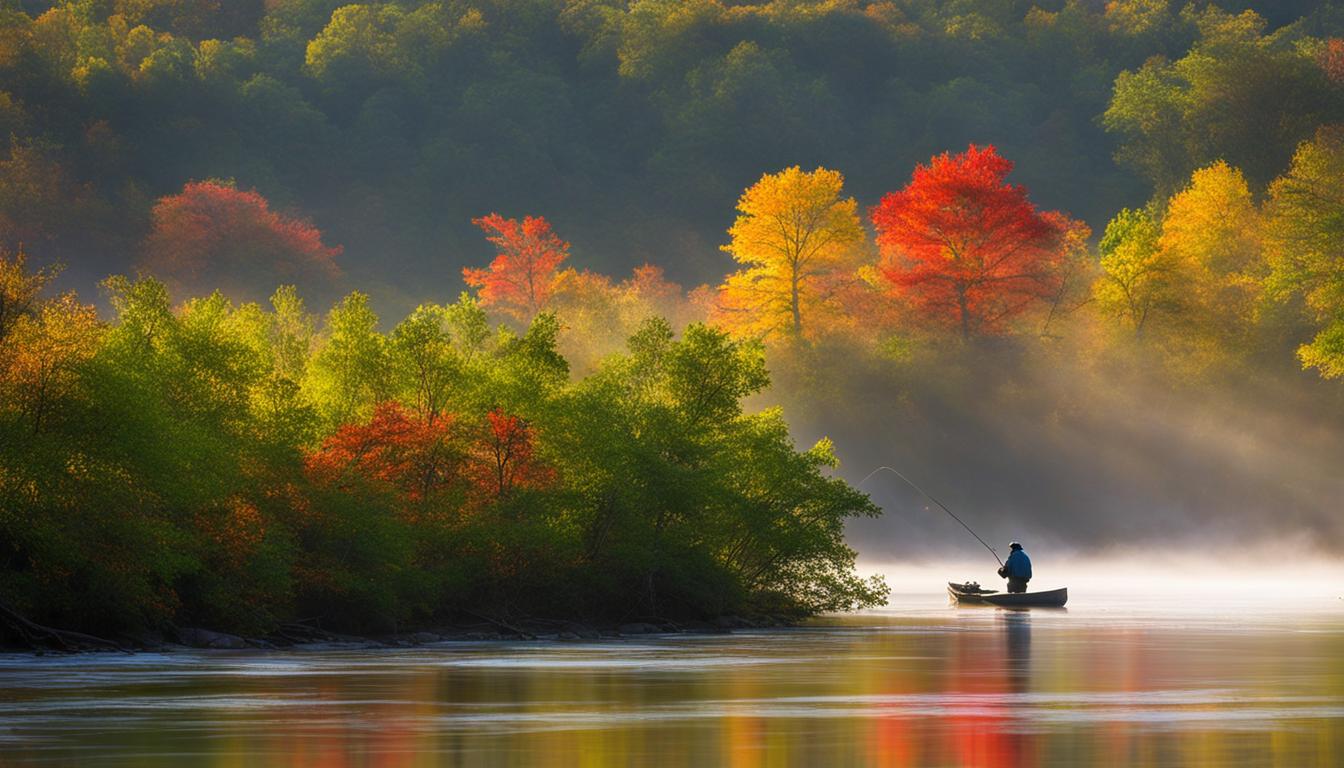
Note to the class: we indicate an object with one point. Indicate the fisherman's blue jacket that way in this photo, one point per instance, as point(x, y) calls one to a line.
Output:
point(1018, 565)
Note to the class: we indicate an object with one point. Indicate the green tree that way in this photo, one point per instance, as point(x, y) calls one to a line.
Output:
point(1305, 234)
point(1137, 280)
point(1239, 94)
point(348, 373)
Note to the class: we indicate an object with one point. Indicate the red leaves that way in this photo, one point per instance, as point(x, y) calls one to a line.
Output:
point(413, 455)
point(505, 457)
point(521, 278)
point(420, 459)
point(1332, 60)
point(212, 234)
point(236, 531)
point(965, 247)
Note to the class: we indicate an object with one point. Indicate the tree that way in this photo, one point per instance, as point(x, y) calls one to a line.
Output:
point(1136, 281)
point(196, 19)
point(214, 234)
point(505, 457)
point(290, 333)
point(588, 307)
point(44, 354)
point(521, 278)
point(1238, 94)
point(20, 290)
point(651, 293)
point(422, 352)
point(1196, 268)
point(38, 198)
point(1212, 228)
point(1331, 59)
point(796, 238)
point(348, 374)
point(1305, 237)
point(414, 455)
point(967, 248)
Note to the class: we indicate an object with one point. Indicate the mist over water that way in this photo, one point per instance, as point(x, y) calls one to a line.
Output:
point(1157, 581)
point(1072, 457)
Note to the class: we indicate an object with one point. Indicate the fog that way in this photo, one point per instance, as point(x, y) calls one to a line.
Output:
point(1270, 575)
point(1076, 460)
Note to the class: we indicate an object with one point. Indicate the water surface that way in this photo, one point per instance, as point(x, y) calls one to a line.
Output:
point(1157, 681)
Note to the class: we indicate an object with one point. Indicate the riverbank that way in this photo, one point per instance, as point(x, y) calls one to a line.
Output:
point(307, 637)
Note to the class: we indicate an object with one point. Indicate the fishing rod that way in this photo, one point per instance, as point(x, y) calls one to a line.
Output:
point(943, 506)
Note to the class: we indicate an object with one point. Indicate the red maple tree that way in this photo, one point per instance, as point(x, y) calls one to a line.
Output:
point(505, 457)
point(419, 459)
point(214, 235)
point(414, 456)
point(521, 278)
point(966, 248)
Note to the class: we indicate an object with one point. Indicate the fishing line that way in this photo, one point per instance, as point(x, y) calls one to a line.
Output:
point(928, 496)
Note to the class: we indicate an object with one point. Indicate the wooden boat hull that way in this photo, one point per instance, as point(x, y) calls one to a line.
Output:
point(972, 594)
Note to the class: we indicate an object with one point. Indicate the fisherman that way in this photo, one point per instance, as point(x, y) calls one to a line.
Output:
point(1017, 569)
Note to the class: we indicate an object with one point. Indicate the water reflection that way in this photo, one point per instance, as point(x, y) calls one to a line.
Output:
point(914, 687)
point(1017, 647)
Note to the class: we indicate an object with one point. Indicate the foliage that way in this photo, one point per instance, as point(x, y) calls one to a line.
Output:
point(798, 240)
point(215, 234)
point(236, 466)
point(522, 277)
point(965, 247)
point(1188, 277)
point(390, 123)
point(1240, 94)
point(1305, 213)
point(1138, 281)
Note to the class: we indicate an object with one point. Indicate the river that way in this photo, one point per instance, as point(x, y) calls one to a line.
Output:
point(1153, 682)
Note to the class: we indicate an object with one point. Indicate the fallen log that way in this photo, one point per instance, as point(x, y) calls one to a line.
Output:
point(41, 637)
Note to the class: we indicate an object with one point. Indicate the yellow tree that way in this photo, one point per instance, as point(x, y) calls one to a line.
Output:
point(20, 292)
point(1196, 269)
point(1138, 281)
point(798, 242)
point(1213, 228)
point(47, 349)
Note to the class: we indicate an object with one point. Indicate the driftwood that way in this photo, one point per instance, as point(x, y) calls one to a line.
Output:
point(504, 625)
point(41, 637)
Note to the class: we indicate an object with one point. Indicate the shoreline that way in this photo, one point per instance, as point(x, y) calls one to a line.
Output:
point(300, 637)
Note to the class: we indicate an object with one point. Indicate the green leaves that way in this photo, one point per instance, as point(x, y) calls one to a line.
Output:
point(679, 490)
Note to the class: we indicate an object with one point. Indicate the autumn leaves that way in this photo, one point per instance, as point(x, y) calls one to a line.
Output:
point(798, 242)
point(214, 234)
point(958, 248)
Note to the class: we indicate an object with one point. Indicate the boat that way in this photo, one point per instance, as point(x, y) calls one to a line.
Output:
point(971, 593)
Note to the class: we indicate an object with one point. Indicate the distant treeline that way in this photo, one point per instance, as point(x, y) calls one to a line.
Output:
point(632, 125)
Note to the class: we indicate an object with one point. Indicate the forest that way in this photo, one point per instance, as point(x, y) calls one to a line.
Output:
point(666, 226)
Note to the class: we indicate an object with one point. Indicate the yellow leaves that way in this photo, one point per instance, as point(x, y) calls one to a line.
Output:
point(1135, 278)
point(44, 350)
point(1214, 222)
point(1136, 17)
point(19, 290)
point(1189, 279)
point(800, 243)
point(1213, 229)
